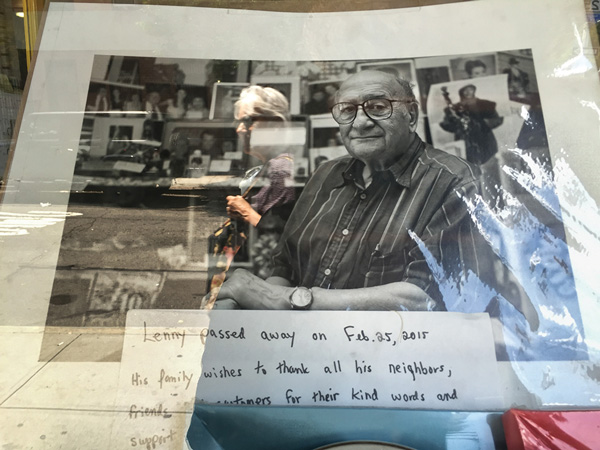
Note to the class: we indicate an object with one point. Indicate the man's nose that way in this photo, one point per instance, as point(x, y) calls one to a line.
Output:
point(361, 118)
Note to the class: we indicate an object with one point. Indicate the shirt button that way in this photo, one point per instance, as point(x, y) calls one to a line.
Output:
point(327, 272)
point(345, 232)
point(363, 196)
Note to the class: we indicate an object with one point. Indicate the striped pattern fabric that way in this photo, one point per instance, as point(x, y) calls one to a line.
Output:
point(341, 235)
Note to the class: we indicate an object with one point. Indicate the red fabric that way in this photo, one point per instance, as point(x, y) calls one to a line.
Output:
point(551, 430)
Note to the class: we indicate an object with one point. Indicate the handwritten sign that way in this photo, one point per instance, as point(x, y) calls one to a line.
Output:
point(379, 359)
point(160, 368)
point(300, 358)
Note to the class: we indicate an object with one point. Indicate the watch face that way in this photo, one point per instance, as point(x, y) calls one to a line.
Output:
point(301, 298)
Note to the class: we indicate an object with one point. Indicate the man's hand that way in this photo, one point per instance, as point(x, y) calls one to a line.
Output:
point(239, 208)
point(400, 296)
point(252, 292)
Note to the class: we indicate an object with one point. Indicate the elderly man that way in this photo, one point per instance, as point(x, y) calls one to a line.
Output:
point(347, 243)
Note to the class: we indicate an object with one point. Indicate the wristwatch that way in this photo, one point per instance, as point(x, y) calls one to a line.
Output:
point(301, 298)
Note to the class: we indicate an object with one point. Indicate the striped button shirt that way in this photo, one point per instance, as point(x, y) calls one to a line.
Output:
point(342, 235)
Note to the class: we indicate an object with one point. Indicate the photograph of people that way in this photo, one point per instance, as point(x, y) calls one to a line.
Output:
point(473, 66)
point(318, 101)
point(346, 244)
point(476, 68)
point(472, 120)
point(152, 107)
point(477, 109)
point(197, 109)
point(209, 144)
point(223, 99)
point(518, 80)
point(176, 107)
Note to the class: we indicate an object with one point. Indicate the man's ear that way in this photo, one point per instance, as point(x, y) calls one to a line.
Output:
point(413, 112)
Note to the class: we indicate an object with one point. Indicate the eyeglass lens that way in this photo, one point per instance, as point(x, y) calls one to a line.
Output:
point(376, 109)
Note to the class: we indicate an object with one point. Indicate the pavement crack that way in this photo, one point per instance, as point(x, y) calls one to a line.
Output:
point(39, 370)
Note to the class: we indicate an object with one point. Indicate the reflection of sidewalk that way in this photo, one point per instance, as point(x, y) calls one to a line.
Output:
point(58, 404)
point(49, 404)
point(113, 260)
point(88, 302)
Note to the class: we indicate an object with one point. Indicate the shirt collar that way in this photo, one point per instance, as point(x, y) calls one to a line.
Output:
point(400, 171)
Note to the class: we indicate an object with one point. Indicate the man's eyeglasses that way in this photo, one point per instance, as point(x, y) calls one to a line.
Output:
point(375, 109)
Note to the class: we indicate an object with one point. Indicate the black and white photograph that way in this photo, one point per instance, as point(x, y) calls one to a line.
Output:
point(217, 222)
point(289, 86)
point(320, 155)
point(325, 132)
point(522, 82)
point(474, 66)
point(470, 123)
point(471, 112)
point(399, 68)
point(320, 97)
point(326, 137)
point(428, 75)
point(404, 69)
point(223, 98)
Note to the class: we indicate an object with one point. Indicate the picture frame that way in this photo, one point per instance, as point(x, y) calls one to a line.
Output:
point(430, 71)
point(324, 132)
point(490, 88)
point(289, 86)
point(105, 127)
point(319, 155)
point(486, 64)
point(320, 97)
point(223, 141)
point(524, 90)
point(224, 96)
point(402, 68)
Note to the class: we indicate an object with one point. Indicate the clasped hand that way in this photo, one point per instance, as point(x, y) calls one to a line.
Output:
point(239, 208)
point(252, 292)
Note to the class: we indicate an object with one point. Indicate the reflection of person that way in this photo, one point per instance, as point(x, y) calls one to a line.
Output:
point(472, 120)
point(475, 68)
point(518, 80)
point(264, 108)
point(348, 243)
